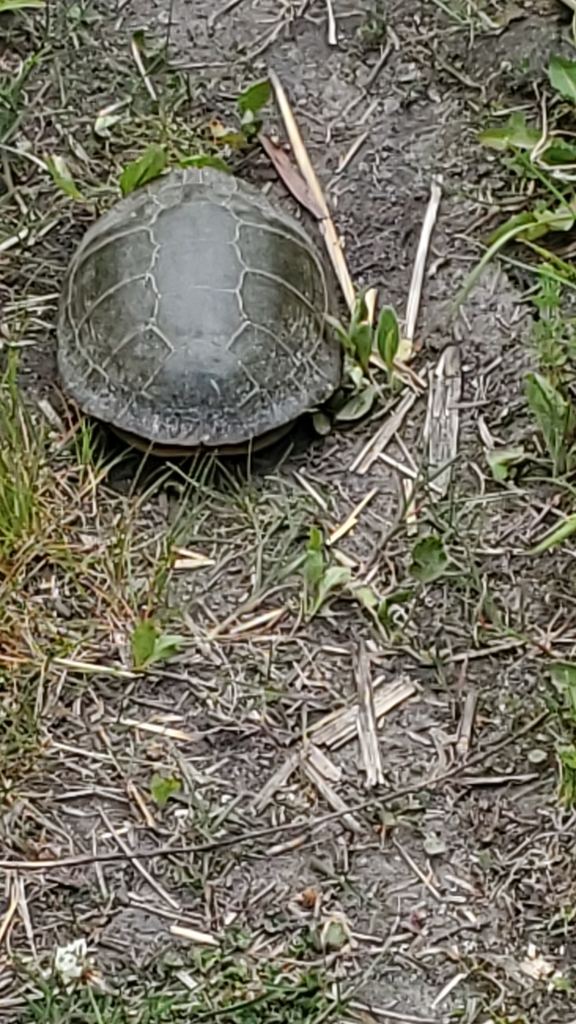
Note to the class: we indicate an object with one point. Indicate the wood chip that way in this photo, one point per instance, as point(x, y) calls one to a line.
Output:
point(366, 724)
point(265, 619)
point(332, 32)
point(91, 668)
point(201, 938)
point(467, 724)
point(134, 794)
point(291, 844)
point(276, 781)
point(442, 419)
point(381, 439)
point(10, 912)
point(160, 730)
point(329, 794)
point(352, 519)
point(190, 559)
point(415, 293)
point(322, 762)
point(142, 70)
point(411, 513)
point(340, 726)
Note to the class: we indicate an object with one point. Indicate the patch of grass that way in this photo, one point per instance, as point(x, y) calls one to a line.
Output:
point(540, 160)
point(229, 985)
point(79, 568)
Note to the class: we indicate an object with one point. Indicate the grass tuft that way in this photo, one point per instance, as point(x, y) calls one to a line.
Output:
point(22, 470)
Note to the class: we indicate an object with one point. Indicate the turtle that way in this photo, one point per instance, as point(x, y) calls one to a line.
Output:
point(195, 314)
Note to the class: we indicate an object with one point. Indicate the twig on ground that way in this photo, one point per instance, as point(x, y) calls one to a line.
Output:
point(135, 49)
point(340, 727)
point(332, 33)
point(443, 418)
point(366, 721)
point(381, 439)
point(415, 293)
point(329, 794)
point(467, 724)
point(139, 867)
point(327, 227)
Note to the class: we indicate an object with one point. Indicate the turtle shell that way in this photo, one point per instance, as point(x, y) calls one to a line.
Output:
point(193, 314)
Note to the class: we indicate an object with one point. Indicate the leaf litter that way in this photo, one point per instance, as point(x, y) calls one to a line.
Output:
point(257, 684)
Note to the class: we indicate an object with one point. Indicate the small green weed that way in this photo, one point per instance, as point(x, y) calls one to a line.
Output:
point(12, 95)
point(149, 645)
point(361, 342)
point(320, 577)
point(162, 787)
point(156, 158)
point(372, 32)
point(545, 156)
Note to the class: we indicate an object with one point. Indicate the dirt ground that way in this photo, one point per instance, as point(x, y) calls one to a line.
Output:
point(455, 872)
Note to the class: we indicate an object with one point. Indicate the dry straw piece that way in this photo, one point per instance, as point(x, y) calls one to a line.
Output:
point(331, 237)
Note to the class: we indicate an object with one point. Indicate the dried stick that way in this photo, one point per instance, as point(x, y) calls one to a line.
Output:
point(307, 171)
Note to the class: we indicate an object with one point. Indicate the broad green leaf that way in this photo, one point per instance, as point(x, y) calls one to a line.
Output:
point(556, 536)
point(322, 423)
point(501, 460)
point(564, 677)
point(397, 597)
point(162, 787)
point(315, 561)
point(531, 224)
point(315, 541)
point(142, 643)
point(560, 218)
point(334, 577)
point(514, 134)
point(334, 936)
point(166, 646)
point(357, 406)
point(359, 311)
point(341, 331)
point(255, 97)
point(356, 375)
point(429, 559)
point(559, 152)
point(62, 177)
point(567, 787)
point(146, 168)
point(388, 337)
point(19, 5)
point(366, 597)
point(314, 565)
point(512, 227)
point(362, 337)
point(554, 416)
point(562, 74)
point(149, 645)
point(205, 160)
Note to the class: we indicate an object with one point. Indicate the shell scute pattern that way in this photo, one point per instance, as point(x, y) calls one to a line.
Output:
point(194, 313)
